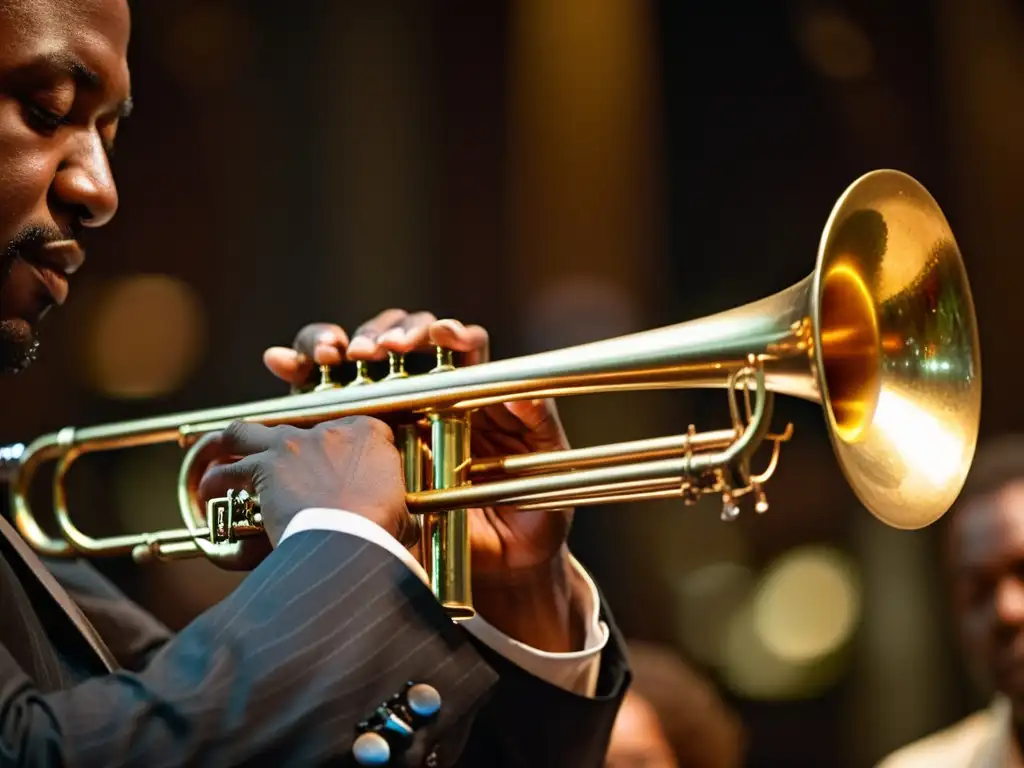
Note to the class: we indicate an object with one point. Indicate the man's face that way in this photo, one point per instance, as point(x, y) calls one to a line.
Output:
point(64, 87)
point(987, 559)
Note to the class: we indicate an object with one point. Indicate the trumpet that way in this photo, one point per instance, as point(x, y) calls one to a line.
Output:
point(882, 334)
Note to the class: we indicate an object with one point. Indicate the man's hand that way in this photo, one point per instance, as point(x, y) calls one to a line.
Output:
point(522, 579)
point(350, 464)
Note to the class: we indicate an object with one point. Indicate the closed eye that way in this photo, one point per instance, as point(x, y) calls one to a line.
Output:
point(45, 119)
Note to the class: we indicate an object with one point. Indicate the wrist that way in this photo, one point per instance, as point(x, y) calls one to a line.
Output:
point(538, 606)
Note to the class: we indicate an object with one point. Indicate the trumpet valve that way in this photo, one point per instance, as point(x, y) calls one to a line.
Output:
point(326, 382)
point(362, 377)
point(396, 365)
point(445, 361)
point(237, 513)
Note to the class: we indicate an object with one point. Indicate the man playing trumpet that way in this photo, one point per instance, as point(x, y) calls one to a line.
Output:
point(332, 650)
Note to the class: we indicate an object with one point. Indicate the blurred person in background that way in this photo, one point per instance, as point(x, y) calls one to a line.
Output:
point(672, 717)
point(984, 552)
point(333, 650)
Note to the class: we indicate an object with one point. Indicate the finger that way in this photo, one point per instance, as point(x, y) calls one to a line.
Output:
point(367, 425)
point(410, 334)
point(540, 417)
point(534, 414)
point(242, 438)
point(288, 365)
point(220, 479)
point(473, 340)
point(409, 536)
point(416, 548)
point(323, 343)
point(208, 451)
point(534, 422)
point(364, 344)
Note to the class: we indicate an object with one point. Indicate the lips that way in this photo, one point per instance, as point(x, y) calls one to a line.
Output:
point(56, 283)
point(53, 262)
point(63, 256)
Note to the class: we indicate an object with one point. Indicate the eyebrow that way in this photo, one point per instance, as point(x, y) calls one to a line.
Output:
point(84, 77)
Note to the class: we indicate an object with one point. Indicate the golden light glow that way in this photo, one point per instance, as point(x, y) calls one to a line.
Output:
point(933, 450)
point(144, 338)
point(807, 605)
point(784, 641)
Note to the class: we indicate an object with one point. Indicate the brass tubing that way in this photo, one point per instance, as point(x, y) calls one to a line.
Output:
point(113, 545)
point(604, 455)
point(593, 501)
point(448, 548)
point(41, 450)
point(167, 551)
point(410, 448)
point(501, 492)
point(569, 497)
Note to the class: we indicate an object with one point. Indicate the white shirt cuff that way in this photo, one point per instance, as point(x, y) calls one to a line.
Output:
point(575, 672)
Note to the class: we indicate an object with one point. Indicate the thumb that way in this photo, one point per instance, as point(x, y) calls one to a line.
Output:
point(236, 476)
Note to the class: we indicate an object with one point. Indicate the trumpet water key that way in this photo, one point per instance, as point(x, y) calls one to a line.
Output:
point(881, 334)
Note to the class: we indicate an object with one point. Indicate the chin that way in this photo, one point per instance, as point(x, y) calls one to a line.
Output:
point(18, 345)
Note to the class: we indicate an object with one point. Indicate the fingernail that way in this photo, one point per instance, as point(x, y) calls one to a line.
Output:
point(323, 351)
point(452, 325)
point(395, 335)
point(327, 337)
point(361, 343)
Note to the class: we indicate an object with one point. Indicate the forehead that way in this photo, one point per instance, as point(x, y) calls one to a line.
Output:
point(990, 528)
point(96, 31)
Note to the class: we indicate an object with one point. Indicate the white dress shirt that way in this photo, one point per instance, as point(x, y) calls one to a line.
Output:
point(576, 672)
point(982, 740)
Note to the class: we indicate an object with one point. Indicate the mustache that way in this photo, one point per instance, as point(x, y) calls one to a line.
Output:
point(30, 239)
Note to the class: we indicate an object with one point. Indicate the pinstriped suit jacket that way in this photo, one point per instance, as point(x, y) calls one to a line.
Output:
point(279, 673)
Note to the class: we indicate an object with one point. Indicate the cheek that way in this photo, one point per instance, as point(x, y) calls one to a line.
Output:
point(28, 163)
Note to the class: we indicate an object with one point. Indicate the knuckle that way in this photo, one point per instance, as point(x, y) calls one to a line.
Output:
point(305, 339)
point(382, 322)
point(335, 426)
point(377, 428)
point(283, 439)
point(235, 430)
point(423, 317)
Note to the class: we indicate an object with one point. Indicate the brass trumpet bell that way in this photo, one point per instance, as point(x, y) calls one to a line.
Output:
point(881, 334)
point(896, 337)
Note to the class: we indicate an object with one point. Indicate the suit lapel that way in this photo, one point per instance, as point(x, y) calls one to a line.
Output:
point(19, 550)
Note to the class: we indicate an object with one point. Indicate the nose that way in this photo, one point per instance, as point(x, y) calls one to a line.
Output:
point(1010, 601)
point(85, 183)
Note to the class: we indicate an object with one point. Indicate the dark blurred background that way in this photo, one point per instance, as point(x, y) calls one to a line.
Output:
point(559, 171)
